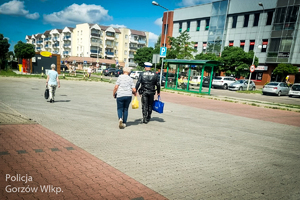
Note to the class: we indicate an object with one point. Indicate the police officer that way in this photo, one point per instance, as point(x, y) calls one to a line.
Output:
point(148, 80)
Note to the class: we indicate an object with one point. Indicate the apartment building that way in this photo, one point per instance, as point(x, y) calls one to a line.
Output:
point(268, 27)
point(92, 40)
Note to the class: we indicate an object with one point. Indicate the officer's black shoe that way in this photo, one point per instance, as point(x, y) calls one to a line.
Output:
point(144, 120)
point(148, 119)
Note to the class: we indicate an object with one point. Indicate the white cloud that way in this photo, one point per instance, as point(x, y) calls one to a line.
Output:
point(117, 26)
point(75, 14)
point(153, 37)
point(15, 7)
point(158, 22)
point(194, 2)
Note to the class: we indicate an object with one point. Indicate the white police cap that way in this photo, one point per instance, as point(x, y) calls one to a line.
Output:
point(147, 64)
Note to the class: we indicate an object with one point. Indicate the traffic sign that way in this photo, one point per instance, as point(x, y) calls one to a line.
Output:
point(84, 62)
point(163, 52)
point(155, 58)
point(97, 65)
point(252, 68)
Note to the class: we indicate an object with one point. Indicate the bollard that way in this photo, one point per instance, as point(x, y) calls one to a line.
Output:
point(42, 71)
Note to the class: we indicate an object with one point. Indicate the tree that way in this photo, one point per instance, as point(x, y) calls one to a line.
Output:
point(284, 69)
point(237, 61)
point(181, 47)
point(4, 48)
point(143, 55)
point(24, 50)
point(208, 56)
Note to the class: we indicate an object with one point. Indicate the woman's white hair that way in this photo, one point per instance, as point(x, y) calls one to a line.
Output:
point(53, 66)
point(127, 69)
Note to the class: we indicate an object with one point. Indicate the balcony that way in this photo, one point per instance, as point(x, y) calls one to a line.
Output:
point(55, 39)
point(110, 38)
point(39, 41)
point(38, 48)
point(95, 51)
point(55, 52)
point(67, 45)
point(131, 55)
point(133, 47)
point(96, 44)
point(109, 53)
point(55, 46)
point(67, 38)
point(142, 42)
point(95, 35)
point(66, 53)
point(47, 39)
point(109, 45)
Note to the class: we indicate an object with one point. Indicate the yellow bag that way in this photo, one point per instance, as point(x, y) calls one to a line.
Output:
point(135, 103)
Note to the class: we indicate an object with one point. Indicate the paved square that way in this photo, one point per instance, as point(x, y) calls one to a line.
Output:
point(198, 149)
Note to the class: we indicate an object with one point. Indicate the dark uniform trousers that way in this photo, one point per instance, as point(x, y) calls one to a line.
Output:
point(147, 102)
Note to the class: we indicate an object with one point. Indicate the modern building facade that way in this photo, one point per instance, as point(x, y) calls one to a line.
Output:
point(268, 27)
point(93, 41)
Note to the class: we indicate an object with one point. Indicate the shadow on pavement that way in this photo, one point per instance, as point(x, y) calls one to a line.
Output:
point(57, 101)
point(139, 121)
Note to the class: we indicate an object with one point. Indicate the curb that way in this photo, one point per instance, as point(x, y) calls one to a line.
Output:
point(263, 104)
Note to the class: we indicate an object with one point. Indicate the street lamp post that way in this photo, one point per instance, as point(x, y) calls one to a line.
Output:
point(166, 28)
point(260, 4)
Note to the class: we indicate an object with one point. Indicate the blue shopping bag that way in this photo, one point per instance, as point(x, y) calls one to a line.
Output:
point(158, 106)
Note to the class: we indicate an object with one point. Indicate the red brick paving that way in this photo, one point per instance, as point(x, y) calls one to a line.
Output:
point(265, 114)
point(79, 174)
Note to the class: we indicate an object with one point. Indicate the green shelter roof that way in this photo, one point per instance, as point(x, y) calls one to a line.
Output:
point(193, 62)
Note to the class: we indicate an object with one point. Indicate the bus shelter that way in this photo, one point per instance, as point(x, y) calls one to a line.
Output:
point(188, 75)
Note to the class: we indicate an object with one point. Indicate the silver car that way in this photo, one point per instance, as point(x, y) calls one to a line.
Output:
point(278, 88)
point(242, 85)
point(295, 90)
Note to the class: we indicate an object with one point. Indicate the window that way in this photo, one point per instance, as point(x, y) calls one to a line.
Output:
point(206, 24)
point(165, 28)
point(242, 44)
point(264, 45)
point(125, 44)
point(188, 26)
point(231, 43)
point(252, 43)
point(198, 25)
point(180, 27)
point(125, 52)
point(269, 18)
point(124, 59)
point(204, 47)
point(126, 36)
point(246, 20)
point(256, 19)
point(234, 20)
point(196, 46)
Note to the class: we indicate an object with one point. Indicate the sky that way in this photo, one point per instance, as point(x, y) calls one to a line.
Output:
point(19, 18)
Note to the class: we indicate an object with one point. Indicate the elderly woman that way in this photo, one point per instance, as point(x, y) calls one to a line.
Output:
point(52, 82)
point(123, 92)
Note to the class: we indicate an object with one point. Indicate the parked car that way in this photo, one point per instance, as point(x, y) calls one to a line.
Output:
point(278, 88)
point(99, 70)
point(118, 72)
point(205, 82)
point(295, 90)
point(63, 68)
point(109, 71)
point(222, 82)
point(195, 80)
point(242, 85)
point(135, 74)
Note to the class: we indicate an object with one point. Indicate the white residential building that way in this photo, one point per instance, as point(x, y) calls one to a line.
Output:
point(92, 40)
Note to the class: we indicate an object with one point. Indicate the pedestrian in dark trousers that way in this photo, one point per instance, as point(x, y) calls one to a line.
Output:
point(148, 80)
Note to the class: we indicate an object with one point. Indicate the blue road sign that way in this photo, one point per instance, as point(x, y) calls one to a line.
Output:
point(163, 52)
point(84, 62)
